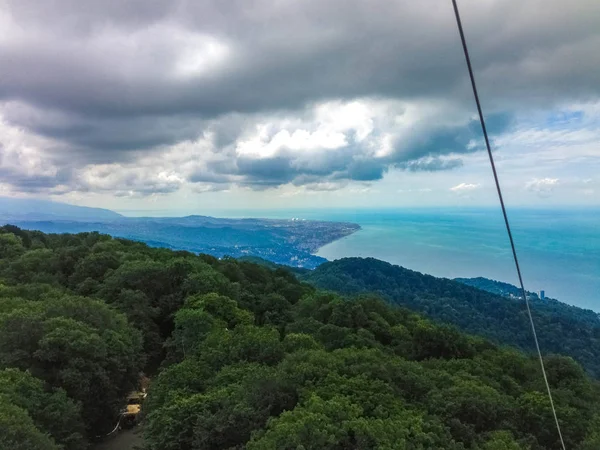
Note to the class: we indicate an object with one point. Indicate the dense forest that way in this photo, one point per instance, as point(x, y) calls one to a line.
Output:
point(496, 287)
point(244, 356)
point(561, 328)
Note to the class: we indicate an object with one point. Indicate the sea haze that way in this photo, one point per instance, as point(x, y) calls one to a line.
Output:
point(559, 250)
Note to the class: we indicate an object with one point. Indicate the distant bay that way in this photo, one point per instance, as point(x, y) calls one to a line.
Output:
point(559, 249)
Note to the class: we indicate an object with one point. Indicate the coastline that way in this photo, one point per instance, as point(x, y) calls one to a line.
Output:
point(559, 253)
point(292, 241)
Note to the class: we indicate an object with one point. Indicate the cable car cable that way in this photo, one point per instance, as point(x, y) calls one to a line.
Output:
point(506, 222)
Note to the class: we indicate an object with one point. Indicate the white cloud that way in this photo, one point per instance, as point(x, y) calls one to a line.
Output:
point(542, 185)
point(465, 187)
point(199, 55)
point(169, 99)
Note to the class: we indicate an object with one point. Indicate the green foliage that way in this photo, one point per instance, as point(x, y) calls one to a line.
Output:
point(502, 440)
point(561, 328)
point(11, 246)
point(592, 440)
point(222, 414)
point(77, 344)
point(247, 343)
point(246, 356)
point(51, 412)
point(18, 432)
point(189, 377)
point(81, 344)
point(294, 342)
point(339, 423)
point(360, 375)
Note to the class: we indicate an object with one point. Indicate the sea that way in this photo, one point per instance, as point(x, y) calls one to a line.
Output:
point(558, 249)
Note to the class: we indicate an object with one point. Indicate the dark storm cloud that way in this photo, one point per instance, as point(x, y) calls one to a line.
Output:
point(345, 163)
point(350, 162)
point(367, 170)
point(445, 140)
point(284, 54)
point(33, 183)
point(109, 80)
point(431, 164)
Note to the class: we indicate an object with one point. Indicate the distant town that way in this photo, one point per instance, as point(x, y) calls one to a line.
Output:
point(500, 288)
point(292, 242)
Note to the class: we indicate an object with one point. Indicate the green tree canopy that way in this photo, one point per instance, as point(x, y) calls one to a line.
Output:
point(245, 356)
point(80, 345)
point(52, 412)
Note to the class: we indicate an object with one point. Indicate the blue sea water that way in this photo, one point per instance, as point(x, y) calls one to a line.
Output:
point(559, 250)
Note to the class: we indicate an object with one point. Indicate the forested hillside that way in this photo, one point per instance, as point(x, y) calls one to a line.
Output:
point(243, 356)
point(561, 328)
point(496, 287)
point(284, 241)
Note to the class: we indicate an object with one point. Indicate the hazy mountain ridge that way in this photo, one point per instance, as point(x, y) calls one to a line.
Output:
point(289, 242)
point(37, 209)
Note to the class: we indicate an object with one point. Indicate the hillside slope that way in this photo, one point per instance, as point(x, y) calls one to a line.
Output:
point(495, 287)
point(561, 328)
point(245, 356)
point(290, 242)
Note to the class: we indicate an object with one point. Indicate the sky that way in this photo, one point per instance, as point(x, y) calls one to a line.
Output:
point(185, 106)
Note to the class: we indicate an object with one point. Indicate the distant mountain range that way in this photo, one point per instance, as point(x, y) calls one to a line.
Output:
point(291, 242)
point(36, 209)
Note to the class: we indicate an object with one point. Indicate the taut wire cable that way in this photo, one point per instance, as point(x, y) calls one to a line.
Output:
point(508, 230)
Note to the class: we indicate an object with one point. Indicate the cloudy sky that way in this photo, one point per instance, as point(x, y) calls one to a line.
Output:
point(186, 106)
